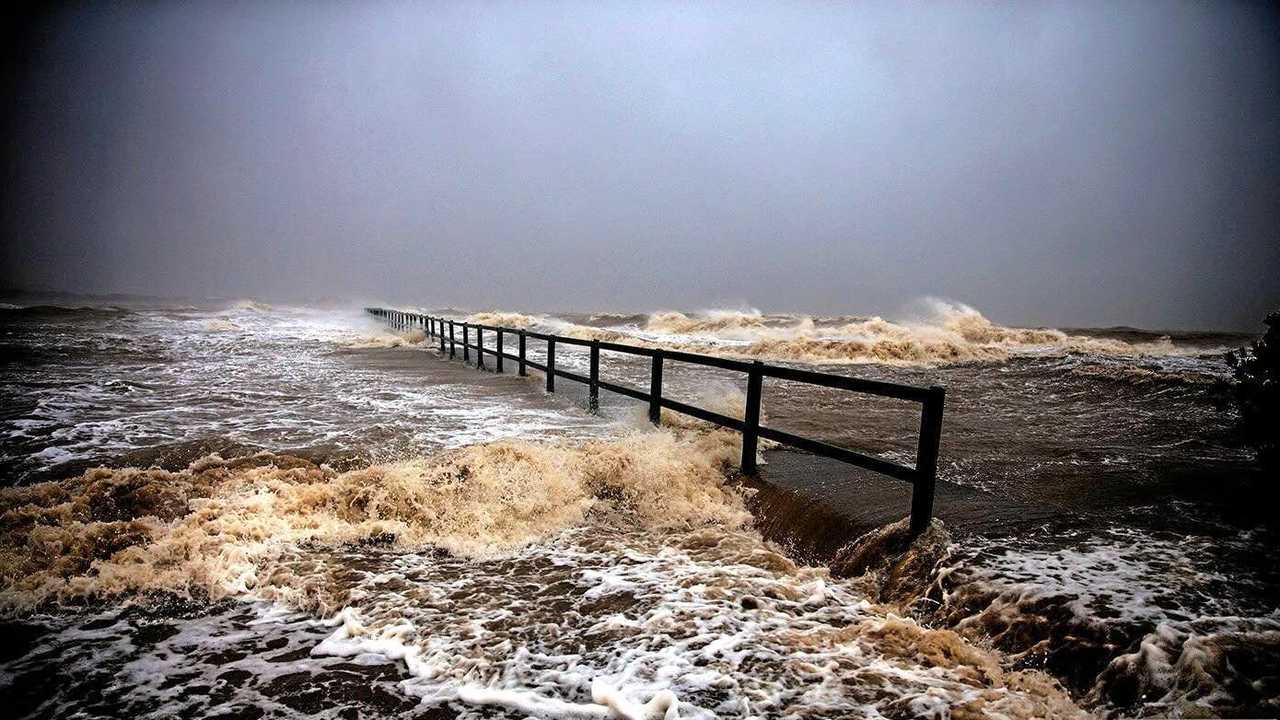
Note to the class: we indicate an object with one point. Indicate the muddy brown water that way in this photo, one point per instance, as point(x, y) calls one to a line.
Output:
point(1103, 526)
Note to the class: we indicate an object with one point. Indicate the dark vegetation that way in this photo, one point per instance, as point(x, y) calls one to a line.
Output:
point(1254, 393)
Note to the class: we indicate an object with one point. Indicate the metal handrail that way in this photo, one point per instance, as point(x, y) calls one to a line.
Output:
point(922, 476)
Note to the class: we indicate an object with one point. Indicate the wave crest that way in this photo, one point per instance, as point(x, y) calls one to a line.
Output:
point(713, 321)
point(948, 333)
point(515, 320)
point(220, 527)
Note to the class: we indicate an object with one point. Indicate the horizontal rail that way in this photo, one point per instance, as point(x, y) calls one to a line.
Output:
point(559, 338)
point(630, 349)
point(713, 417)
point(922, 476)
point(853, 457)
point(844, 382)
point(624, 390)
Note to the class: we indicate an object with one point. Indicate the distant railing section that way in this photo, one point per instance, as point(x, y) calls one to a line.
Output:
point(923, 476)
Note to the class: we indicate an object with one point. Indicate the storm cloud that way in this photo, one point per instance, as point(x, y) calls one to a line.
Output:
point(1047, 163)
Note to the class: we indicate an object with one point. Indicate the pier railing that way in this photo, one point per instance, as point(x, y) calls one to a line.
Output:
point(454, 335)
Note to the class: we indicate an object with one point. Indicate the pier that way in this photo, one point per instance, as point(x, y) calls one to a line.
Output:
point(447, 334)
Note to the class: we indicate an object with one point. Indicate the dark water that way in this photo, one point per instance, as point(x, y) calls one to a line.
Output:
point(1102, 533)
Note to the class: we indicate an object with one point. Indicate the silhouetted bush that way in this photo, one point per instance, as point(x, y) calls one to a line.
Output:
point(1255, 393)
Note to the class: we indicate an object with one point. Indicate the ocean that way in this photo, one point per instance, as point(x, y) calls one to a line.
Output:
point(239, 509)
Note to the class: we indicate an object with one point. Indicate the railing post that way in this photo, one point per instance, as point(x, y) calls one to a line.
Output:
point(453, 347)
point(520, 364)
point(927, 460)
point(466, 343)
point(751, 420)
point(440, 333)
point(551, 366)
point(499, 364)
point(655, 389)
point(593, 387)
point(479, 348)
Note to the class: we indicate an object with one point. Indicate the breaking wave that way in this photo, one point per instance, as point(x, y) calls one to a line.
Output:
point(949, 333)
point(387, 339)
point(219, 527)
point(610, 579)
point(1117, 622)
point(217, 325)
point(518, 321)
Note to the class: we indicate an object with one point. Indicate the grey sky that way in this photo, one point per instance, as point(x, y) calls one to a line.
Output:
point(1059, 164)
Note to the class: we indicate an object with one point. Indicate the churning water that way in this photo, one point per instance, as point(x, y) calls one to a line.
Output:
point(243, 510)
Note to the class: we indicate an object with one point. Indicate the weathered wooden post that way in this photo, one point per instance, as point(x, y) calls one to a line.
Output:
point(479, 348)
point(927, 460)
point(453, 347)
point(440, 333)
point(499, 364)
point(551, 365)
point(655, 388)
point(751, 420)
point(593, 385)
point(520, 363)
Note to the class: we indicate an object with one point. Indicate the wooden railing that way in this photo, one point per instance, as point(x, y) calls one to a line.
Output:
point(923, 476)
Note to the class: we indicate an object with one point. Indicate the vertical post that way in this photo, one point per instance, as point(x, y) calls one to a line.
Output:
point(466, 343)
point(499, 367)
point(479, 348)
point(593, 386)
point(440, 333)
point(431, 326)
point(551, 365)
point(453, 348)
point(751, 420)
point(927, 460)
point(655, 389)
point(520, 363)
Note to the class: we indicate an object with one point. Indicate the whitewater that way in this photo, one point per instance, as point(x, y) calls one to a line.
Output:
point(239, 509)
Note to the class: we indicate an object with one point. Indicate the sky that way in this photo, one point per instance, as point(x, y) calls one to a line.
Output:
point(1062, 164)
